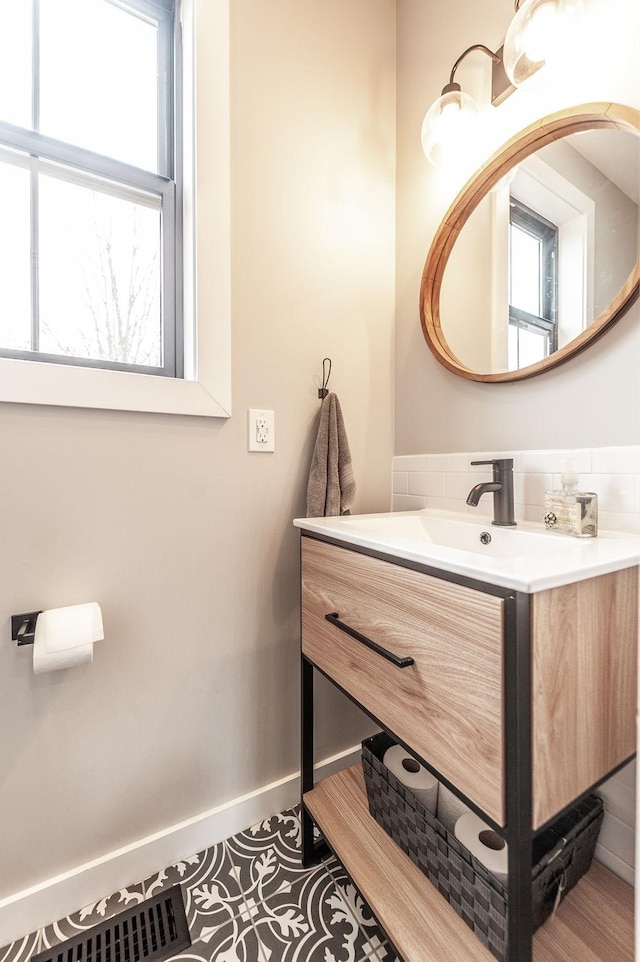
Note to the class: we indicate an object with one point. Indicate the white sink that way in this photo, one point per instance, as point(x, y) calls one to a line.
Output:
point(487, 539)
point(527, 557)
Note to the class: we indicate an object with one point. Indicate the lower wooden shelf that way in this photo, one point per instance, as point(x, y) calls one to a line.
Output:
point(594, 923)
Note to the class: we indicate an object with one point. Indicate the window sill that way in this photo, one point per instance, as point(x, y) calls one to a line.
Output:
point(33, 382)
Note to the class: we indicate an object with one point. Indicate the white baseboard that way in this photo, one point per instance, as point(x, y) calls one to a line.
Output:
point(31, 909)
point(615, 864)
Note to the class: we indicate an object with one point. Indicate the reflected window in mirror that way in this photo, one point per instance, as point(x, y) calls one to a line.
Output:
point(533, 285)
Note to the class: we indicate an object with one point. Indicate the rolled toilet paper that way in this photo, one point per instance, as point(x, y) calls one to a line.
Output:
point(450, 808)
point(486, 845)
point(413, 776)
point(64, 637)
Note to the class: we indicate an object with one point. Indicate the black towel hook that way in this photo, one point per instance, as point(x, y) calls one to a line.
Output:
point(323, 391)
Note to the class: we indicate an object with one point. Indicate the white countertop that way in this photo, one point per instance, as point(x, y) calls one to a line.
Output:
point(525, 558)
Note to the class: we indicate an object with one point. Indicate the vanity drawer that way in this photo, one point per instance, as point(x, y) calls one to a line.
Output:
point(448, 705)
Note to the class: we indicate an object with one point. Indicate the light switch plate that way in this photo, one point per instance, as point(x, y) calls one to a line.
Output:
point(261, 430)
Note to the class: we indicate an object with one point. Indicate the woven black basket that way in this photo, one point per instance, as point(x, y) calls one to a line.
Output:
point(561, 854)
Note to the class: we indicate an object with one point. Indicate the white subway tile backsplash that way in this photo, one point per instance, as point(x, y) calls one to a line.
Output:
point(417, 482)
point(613, 521)
point(458, 486)
point(616, 460)
point(427, 483)
point(554, 461)
point(516, 457)
point(443, 481)
point(447, 462)
point(443, 504)
point(410, 462)
point(484, 508)
point(531, 488)
point(532, 512)
point(615, 490)
point(408, 502)
point(400, 482)
point(519, 484)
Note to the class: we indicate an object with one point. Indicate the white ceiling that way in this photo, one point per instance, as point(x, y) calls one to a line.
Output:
point(616, 154)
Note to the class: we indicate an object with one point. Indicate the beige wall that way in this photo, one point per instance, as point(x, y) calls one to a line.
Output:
point(182, 536)
point(593, 400)
point(466, 305)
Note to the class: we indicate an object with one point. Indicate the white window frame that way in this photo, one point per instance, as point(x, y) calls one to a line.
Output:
point(205, 389)
point(559, 200)
point(541, 187)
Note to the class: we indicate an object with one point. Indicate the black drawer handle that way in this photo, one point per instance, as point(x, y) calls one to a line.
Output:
point(394, 659)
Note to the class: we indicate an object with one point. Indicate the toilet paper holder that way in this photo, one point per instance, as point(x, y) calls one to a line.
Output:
point(23, 627)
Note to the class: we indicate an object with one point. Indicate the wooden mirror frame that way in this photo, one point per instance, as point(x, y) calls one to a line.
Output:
point(593, 116)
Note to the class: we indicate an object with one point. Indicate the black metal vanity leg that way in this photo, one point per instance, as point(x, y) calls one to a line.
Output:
point(306, 762)
point(309, 856)
point(518, 776)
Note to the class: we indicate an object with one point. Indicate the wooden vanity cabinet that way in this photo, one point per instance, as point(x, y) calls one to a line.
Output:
point(520, 703)
point(454, 634)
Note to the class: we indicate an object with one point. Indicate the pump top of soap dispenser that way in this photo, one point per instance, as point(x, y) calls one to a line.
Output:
point(569, 478)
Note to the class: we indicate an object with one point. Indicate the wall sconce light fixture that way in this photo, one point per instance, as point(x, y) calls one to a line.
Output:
point(534, 34)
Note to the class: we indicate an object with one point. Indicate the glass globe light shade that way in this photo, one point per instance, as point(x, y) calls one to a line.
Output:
point(534, 37)
point(448, 125)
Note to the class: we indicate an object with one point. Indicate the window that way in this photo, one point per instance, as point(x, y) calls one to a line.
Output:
point(533, 286)
point(90, 267)
point(204, 390)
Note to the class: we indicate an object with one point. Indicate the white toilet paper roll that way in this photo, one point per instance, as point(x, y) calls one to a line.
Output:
point(485, 844)
point(64, 637)
point(67, 658)
point(413, 776)
point(450, 808)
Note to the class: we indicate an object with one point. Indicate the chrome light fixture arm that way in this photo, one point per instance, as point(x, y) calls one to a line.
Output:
point(475, 46)
point(535, 26)
point(500, 84)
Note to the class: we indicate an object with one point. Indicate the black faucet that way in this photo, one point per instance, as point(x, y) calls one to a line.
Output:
point(502, 488)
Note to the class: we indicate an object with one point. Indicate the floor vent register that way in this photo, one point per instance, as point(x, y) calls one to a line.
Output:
point(149, 932)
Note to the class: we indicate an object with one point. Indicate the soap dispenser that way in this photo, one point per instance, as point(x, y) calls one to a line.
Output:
point(569, 511)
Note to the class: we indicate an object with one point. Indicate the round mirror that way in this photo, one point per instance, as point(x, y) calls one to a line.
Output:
point(538, 255)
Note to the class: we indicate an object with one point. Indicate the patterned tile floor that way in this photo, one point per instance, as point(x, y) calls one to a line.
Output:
point(248, 899)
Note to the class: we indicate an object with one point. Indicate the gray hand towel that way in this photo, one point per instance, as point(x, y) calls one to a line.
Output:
point(332, 488)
